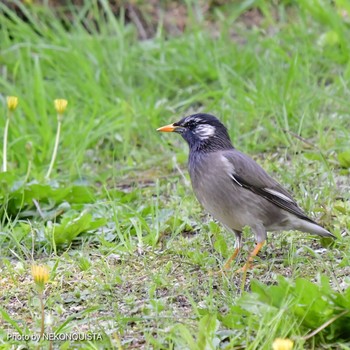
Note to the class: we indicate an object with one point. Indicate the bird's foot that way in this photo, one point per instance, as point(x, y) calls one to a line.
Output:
point(227, 266)
point(248, 266)
point(218, 273)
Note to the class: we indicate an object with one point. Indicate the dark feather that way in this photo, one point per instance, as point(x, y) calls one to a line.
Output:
point(251, 176)
point(292, 207)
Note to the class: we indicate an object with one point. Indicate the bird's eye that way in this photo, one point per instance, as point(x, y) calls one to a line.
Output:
point(190, 124)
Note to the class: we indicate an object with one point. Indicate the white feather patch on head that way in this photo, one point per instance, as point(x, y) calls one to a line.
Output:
point(192, 119)
point(204, 131)
point(197, 120)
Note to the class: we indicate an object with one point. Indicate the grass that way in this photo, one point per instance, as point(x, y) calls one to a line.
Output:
point(131, 254)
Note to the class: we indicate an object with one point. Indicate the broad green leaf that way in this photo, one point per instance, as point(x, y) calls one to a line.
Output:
point(186, 335)
point(303, 302)
point(220, 245)
point(70, 228)
point(23, 197)
point(344, 159)
point(208, 327)
point(79, 194)
point(7, 179)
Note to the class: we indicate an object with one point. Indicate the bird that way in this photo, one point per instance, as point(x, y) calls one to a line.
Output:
point(234, 189)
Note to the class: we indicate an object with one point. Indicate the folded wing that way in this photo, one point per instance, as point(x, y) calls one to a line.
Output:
point(245, 172)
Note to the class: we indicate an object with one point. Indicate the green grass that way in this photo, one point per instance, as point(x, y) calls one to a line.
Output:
point(132, 256)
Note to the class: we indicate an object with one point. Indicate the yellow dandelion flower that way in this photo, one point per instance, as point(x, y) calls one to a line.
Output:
point(40, 275)
point(61, 105)
point(282, 344)
point(12, 102)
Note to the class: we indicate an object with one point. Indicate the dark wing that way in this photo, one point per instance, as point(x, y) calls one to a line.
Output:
point(250, 175)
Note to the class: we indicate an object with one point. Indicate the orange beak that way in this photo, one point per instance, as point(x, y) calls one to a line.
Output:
point(167, 128)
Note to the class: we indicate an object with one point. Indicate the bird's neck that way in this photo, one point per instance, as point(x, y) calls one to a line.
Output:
point(212, 144)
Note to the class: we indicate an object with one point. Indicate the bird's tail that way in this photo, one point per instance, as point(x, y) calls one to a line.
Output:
point(312, 227)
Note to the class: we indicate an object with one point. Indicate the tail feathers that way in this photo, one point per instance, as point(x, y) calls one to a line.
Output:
point(312, 227)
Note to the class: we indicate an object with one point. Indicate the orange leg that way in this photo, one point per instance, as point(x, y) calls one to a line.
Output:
point(253, 254)
point(231, 258)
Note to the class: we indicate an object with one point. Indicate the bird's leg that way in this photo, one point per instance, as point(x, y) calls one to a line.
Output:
point(238, 246)
point(253, 254)
point(231, 258)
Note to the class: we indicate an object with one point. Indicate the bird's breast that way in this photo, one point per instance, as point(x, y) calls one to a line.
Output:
point(225, 200)
point(214, 189)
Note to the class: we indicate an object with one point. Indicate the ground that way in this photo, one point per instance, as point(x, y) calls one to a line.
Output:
point(132, 256)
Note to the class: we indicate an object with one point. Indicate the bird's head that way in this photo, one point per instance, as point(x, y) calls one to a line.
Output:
point(202, 132)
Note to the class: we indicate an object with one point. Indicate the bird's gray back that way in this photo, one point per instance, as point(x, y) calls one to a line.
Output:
point(226, 201)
